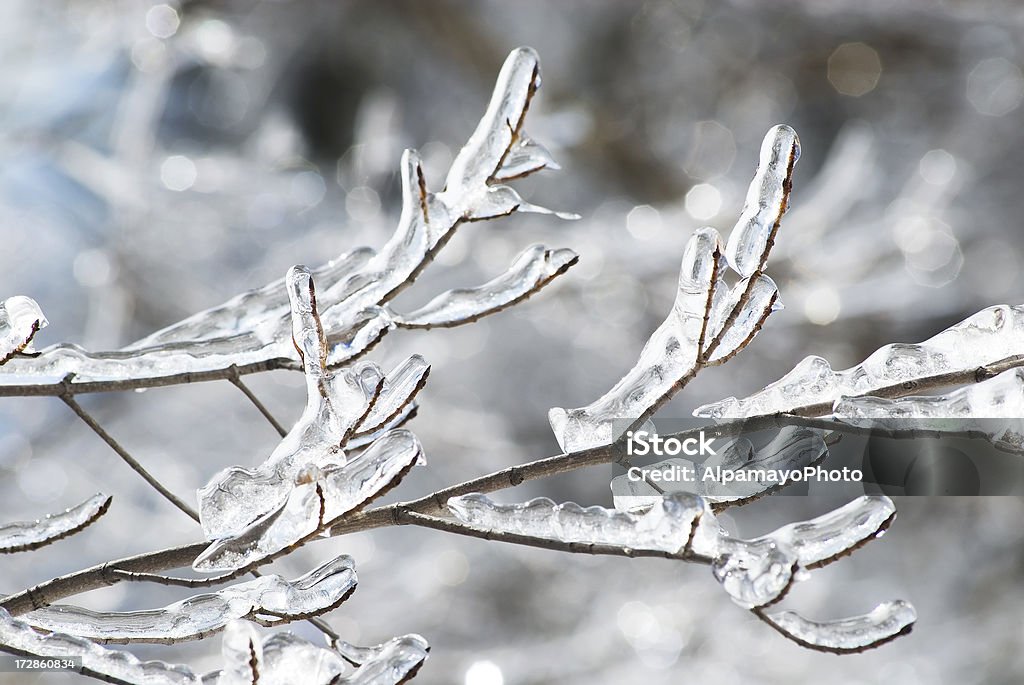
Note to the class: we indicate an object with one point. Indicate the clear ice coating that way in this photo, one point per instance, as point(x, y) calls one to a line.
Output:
point(762, 299)
point(338, 404)
point(319, 497)
point(19, 637)
point(989, 336)
point(993, 407)
point(885, 622)
point(267, 598)
point(754, 573)
point(254, 327)
point(665, 527)
point(277, 659)
point(670, 355)
point(829, 536)
point(20, 320)
point(531, 271)
point(396, 661)
point(1001, 396)
point(766, 202)
point(21, 536)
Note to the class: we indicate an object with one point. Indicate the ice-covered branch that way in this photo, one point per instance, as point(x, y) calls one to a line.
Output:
point(884, 623)
point(709, 322)
point(251, 332)
point(962, 353)
point(269, 599)
point(532, 270)
point(278, 658)
point(110, 665)
point(21, 536)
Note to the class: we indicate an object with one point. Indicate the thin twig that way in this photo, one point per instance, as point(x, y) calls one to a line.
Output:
point(236, 380)
point(128, 458)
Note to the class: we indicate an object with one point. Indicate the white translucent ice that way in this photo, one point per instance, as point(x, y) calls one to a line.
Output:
point(886, 622)
point(320, 497)
point(19, 637)
point(267, 598)
point(281, 657)
point(531, 271)
point(253, 328)
point(337, 405)
point(989, 336)
point(20, 536)
point(668, 358)
point(766, 202)
point(666, 526)
point(20, 320)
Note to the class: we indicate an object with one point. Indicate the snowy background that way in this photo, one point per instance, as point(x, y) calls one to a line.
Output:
point(157, 159)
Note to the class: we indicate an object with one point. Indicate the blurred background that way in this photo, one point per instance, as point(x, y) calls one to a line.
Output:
point(156, 159)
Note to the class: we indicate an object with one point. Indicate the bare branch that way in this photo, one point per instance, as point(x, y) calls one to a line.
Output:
point(128, 458)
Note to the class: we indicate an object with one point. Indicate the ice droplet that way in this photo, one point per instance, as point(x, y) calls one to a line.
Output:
point(20, 320)
point(318, 591)
point(26, 535)
point(767, 198)
point(989, 336)
point(669, 356)
point(854, 634)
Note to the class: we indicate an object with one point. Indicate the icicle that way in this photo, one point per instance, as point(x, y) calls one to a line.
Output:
point(855, 634)
point(665, 527)
point(323, 496)
point(766, 202)
point(763, 299)
point(668, 357)
point(18, 637)
point(20, 320)
point(532, 270)
point(26, 535)
point(269, 597)
point(989, 336)
point(824, 539)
